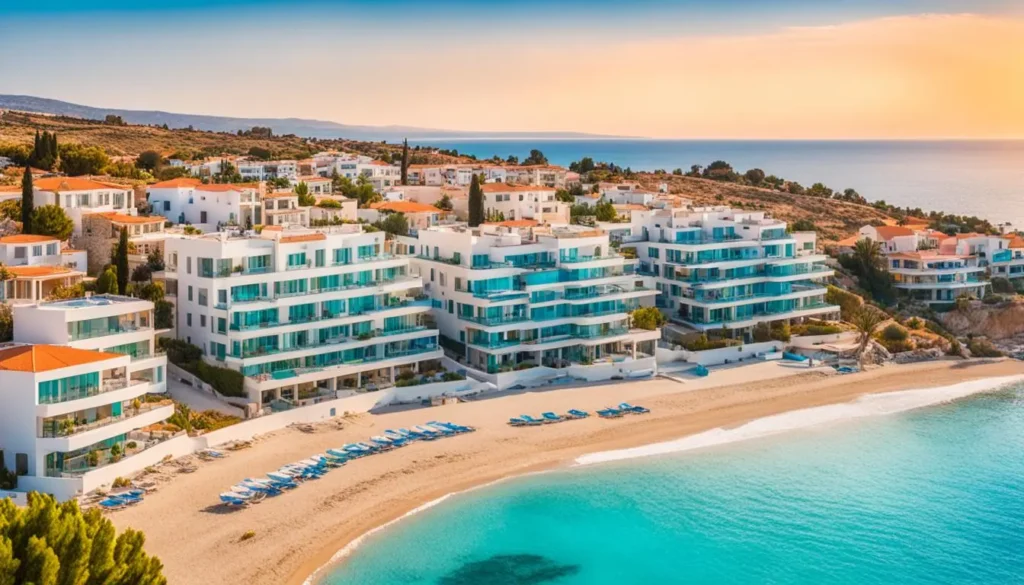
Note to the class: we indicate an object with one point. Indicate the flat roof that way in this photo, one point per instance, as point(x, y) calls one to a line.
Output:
point(90, 302)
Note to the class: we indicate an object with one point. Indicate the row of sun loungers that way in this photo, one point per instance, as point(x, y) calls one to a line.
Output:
point(122, 499)
point(289, 477)
point(526, 420)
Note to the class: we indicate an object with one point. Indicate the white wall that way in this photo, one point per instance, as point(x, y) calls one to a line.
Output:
point(810, 341)
point(715, 357)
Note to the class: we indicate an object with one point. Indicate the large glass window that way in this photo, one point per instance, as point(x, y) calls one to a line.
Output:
point(70, 388)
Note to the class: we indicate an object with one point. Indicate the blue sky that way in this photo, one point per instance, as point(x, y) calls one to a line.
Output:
point(526, 64)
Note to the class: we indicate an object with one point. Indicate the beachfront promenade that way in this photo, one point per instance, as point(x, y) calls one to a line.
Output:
point(194, 535)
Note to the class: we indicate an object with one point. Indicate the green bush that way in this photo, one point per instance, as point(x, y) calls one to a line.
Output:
point(915, 324)
point(897, 345)
point(894, 332)
point(983, 348)
point(780, 331)
point(702, 343)
point(224, 380)
point(1002, 285)
point(762, 333)
point(847, 301)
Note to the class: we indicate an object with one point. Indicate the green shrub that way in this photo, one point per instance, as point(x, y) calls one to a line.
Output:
point(894, 332)
point(1002, 286)
point(224, 380)
point(983, 348)
point(847, 301)
point(762, 333)
point(703, 343)
point(897, 345)
point(453, 376)
point(915, 324)
point(780, 331)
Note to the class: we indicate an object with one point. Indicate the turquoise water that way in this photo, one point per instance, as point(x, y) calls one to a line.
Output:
point(934, 495)
point(981, 178)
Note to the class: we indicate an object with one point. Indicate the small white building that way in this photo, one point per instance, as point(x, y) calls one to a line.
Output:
point(78, 196)
point(512, 202)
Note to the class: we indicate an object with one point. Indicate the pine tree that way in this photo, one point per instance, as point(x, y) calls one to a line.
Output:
point(26, 201)
point(405, 161)
point(476, 203)
point(121, 261)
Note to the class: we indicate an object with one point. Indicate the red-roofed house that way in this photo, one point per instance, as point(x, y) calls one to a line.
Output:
point(78, 197)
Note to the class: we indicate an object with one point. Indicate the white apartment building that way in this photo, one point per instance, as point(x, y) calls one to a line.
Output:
point(515, 298)
point(934, 268)
point(208, 206)
point(513, 202)
point(74, 387)
point(257, 170)
point(718, 267)
point(30, 250)
point(302, 314)
point(78, 196)
point(282, 208)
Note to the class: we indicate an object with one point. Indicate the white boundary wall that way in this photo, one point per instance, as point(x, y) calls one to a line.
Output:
point(810, 341)
point(716, 357)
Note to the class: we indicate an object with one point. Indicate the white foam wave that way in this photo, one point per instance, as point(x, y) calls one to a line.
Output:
point(865, 406)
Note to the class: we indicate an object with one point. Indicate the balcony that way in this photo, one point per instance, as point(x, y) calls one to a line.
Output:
point(492, 321)
point(703, 240)
point(296, 372)
point(374, 334)
point(55, 436)
point(125, 328)
point(317, 291)
point(580, 259)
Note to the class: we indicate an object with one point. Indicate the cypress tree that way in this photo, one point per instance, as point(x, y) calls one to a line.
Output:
point(476, 203)
point(26, 201)
point(33, 158)
point(405, 161)
point(121, 261)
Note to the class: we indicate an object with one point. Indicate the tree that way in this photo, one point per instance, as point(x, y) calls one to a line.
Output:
point(536, 158)
point(565, 196)
point(795, 188)
point(155, 261)
point(149, 160)
point(163, 314)
point(50, 220)
point(405, 161)
point(585, 165)
point(76, 159)
point(605, 211)
point(820, 190)
point(754, 176)
point(444, 203)
point(649, 318)
point(258, 152)
point(476, 203)
point(27, 194)
point(867, 319)
point(802, 225)
point(120, 261)
point(305, 199)
point(395, 224)
point(47, 543)
point(142, 273)
point(720, 170)
point(11, 209)
point(106, 283)
point(6, 324)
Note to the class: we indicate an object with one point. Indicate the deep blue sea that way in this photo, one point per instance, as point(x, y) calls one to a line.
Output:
point(923, 496)
point(982, 178)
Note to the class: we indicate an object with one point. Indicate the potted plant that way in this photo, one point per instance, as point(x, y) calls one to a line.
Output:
point(67, 427)
point(115, 452)
point(93, 458)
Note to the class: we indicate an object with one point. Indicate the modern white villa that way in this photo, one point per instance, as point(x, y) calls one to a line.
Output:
point(510, 299)
point(74, 386)
point(718, 267)
point(302, 314)
point(934, 268)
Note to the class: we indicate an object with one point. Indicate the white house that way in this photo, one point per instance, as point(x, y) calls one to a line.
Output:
point(78, 196)
point(512, 202)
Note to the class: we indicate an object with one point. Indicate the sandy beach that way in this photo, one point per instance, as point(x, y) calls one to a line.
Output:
point(199, 542)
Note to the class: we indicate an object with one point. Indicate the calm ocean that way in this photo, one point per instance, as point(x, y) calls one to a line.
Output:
point(931, 495)
point(984, 178)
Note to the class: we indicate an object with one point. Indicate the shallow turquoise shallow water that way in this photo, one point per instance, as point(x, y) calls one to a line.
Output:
point(934, 495)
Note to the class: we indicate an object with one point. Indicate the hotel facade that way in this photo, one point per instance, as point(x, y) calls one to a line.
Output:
point(302, 314)
point(718, 268)
point(513, 298)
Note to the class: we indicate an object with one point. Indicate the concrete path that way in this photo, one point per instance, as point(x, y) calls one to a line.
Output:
point(197, 399)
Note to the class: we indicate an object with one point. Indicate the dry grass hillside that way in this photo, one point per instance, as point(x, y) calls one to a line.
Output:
point(833, 219)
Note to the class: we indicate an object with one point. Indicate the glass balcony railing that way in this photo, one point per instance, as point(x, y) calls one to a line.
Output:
point(388, 355)
point(352, 338)
point(67, 426)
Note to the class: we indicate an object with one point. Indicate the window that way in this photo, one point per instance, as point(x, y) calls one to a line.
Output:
point(431, 275)
point(443, 280)
point(222, 297)
point(202, 321)
point(190, 292)
point(20, 252)
point(320, 257)
point(652, 252)
point(202, 217)
point(203, 294)
point(52, 249)
point(188, 264)
point(37, 250)
point(520, 196)
point(296, 260)
point(222, 325)
point(188, 319)
point(167, 205)
point(451, 307)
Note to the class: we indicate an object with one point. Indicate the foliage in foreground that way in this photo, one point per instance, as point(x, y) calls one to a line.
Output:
point(48, 543)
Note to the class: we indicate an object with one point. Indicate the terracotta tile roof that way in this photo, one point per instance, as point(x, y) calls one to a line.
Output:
point(1015, 242)
point(223, 187)
point(26, 239)
point(279, 195)
point(516, 223)
point(272, 228)
point(132, 219)
point(175, 183)
point(43, 358)
point(72, 184)
point(380, 163)
point(315, 179)
point(303, 238)
point(505, 188)
point(887, 232)
point(629, 207)
point(37, 271)
point(10, 188)
point(405, 207)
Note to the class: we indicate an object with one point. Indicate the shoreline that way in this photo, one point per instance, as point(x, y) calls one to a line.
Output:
point(301, 535)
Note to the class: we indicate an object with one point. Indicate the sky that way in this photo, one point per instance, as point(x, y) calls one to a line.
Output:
point(729, 69)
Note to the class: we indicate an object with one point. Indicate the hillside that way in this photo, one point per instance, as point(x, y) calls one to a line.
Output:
point(296, 126)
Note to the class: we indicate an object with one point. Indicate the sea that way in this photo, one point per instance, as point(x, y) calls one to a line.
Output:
point(917, 487)
point(980, 178)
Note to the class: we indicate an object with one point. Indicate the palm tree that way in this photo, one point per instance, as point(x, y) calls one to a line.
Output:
point(867, 319)
point(868, 254)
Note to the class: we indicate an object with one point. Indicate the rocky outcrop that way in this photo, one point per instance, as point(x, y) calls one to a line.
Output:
point(997, 322)
point(918, 355)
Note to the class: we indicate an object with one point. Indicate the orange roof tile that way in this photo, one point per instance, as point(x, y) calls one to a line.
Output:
point(223, 187)
point(516, 223)
point(37, 271)
point(175, 183)
point(315, 179)
point(506, 188)
point(43, 358)
point(133, 219)
point(630, 207)
point(303, 238)
point(405, 207)
point(1016, 242)
point(26, 239)
point(272, 228)
point(887, 232)
point(10, 188)
point(72, 184)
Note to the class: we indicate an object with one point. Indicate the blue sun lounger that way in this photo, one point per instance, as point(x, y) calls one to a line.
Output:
point(625, 406)
point(578, 413)
point(532, 421)
point(552, 417)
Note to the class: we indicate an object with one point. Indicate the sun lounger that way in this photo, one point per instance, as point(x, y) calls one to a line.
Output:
point(626, 407)
point(517, 422)
point(397, 436)
point(428, 432)
point(533, 421)
point(416, 435)
point(233, 500)
point(578, 413)
point(112, 504)
point(438, 430)
point(550, 416)
point(609, 413)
